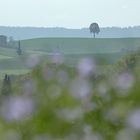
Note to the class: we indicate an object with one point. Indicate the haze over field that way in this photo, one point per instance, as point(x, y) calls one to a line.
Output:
point(69, 70)
point(69, 13)
point(33, 32)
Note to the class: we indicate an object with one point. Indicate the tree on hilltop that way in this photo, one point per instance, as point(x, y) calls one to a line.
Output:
point(94, 28)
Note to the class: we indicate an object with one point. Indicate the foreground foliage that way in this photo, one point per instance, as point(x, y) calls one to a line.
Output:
point(58, 102)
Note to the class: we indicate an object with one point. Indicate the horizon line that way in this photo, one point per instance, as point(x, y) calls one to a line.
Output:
point(61, 27)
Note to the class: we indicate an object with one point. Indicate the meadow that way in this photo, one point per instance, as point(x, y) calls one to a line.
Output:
point(104, 51)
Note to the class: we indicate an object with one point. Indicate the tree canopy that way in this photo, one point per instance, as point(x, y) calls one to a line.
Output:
point(94, 28)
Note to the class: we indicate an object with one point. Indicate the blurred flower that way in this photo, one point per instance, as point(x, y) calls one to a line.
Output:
point(11, 135)
point(80, 88)
point(102, 89)
point(86, 67)
point(70, 114)
point(126, 134)
point(57, 58)
point(91, 137)
point(17, 108)
point(49, 74)
point(134, 120)
point(73, 137)
point(29, 87)
point(33, 60)
point(43, 137)
point(124, 81)
point(87, 129)
point(54, 91)
point(62, 77)
point(87, 104)
point(89, 134)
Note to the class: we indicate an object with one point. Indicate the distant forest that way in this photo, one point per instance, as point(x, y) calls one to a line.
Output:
point(34, 32)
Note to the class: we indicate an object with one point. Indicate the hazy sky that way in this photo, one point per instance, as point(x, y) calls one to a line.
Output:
point(69, 13)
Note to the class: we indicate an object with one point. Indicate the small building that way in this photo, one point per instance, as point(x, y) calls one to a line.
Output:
point(3, 41)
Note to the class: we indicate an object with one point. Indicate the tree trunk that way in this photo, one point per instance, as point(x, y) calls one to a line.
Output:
point(93, 35)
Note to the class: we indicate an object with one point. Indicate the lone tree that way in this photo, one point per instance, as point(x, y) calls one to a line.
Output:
point(94, 28)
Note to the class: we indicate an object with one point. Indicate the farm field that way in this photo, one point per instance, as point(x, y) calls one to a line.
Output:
point(104, 51)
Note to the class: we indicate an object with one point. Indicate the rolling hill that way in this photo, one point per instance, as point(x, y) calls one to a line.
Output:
point(105, 51)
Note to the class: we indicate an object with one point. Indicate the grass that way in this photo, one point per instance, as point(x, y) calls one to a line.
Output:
point(59, 102)
point(104, 51)
point(13, 72)
point(5, 57)
point(81, 45)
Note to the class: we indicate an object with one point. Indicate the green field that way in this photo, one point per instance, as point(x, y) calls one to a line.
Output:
point(63, 102)
point(80, 45)
point(104, 51)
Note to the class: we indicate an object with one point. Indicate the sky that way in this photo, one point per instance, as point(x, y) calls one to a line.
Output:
point(69, 13)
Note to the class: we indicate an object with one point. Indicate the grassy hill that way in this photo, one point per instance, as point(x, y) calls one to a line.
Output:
point(81, 45)
point(104, 51)
point(62, 102)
